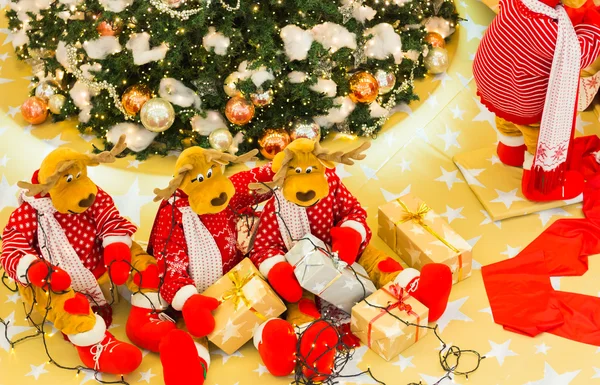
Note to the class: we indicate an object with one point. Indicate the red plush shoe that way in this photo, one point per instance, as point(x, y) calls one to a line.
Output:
point(431, 287)
point(284, 282)
point(318, 347)
point(346, 242)
point(144, 327)
point(571, 188)
point(100, 350)
point(197, 313)
point(117, 258)
point(512, 151)
point(276, 342)
point(184, 361)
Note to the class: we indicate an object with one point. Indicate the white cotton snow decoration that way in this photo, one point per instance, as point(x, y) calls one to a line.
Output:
point(383, 43)
point(71, 2)
point(216, 40)
point(296, 41)
point(376, 111)
point(20, 38)
point(82, 96)
point(102, 47)
point(325, 86)
point(296, 77)
point(360, 12)
point(235, 143)
point(86, 68)
point(115, 5)
point(336, 114)
point(136, 136)
point(204, 126)
point(177, 93)
point(23, 7)
point(439, 25)
point(261, 75)
point(139, 44)
point(412, 54)
point(401, 3)
point(61, 54)
point(333, 36)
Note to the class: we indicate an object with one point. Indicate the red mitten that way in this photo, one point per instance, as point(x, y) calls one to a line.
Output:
point(117, 258)
point(346, 241)
point(284, 282)
point(41, 273)
point(147, 279)
point(389, 265)
point(77, 305)
point(197, 315)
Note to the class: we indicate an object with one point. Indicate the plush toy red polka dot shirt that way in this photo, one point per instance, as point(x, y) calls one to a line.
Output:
point(168, 239)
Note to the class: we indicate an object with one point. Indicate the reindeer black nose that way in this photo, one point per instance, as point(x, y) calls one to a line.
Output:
point(87, 202)
point(306, 196)
point(220, 201)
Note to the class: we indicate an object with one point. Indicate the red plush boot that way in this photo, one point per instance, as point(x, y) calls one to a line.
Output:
point(318, 347)
point(144, 327)
point(511, 150)
point(100, 350)
point(571, 188)
point(184, 361)
point(431, 287)
point(282, 279)
point(276, 342)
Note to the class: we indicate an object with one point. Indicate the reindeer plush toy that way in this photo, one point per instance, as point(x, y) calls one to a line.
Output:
point(309, 198)
point(57, 245)
point(194, 241)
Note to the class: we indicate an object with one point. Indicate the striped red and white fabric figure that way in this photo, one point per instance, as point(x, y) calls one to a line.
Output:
point(527, 72)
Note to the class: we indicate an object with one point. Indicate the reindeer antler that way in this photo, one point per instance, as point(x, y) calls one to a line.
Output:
point(110, 156)
point(340, 156)
point(44, 188)
point(279, 176)
point(173, 184)
point(224, 158)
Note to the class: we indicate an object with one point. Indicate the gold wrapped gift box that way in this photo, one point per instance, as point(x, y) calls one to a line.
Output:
point(420, 236)
point(374, 321)
point(246, 302)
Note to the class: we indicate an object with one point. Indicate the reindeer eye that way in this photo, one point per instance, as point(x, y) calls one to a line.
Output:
point(298, 170)
point(199, 178)
point(209, 173)
point(309, 169)
point(78, 175)
point(69, 178)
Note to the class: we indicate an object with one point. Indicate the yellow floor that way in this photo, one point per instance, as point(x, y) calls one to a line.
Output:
point(413, 154)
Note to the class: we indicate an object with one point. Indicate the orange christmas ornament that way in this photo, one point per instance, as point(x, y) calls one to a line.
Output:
point(239, 110)
point(135, 97)
point(364, 88)
point(435, 39)
point(273, 142)
point(106, 28)
point(34, 110)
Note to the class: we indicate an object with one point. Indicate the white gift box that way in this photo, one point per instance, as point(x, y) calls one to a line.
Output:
point(322, 273)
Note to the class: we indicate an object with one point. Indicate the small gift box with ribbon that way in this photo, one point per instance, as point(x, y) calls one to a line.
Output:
point(387, 321)
point(246, 302)
point(420, 236)
point(322, 273)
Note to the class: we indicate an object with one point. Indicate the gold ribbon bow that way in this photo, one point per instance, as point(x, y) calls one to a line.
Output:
point(236, 293)
point(418, 217)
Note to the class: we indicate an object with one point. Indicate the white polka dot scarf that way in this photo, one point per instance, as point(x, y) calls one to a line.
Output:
point(561, 101)
point(59, 252)
point(292, 220)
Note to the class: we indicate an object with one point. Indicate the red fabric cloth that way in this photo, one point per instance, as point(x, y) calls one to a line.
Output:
point(513, 62)
point(84, 231)
point(338, 207)
point(172, 256)
point(519, 289)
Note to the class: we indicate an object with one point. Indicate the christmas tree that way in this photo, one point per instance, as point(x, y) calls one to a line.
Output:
point(231, 74)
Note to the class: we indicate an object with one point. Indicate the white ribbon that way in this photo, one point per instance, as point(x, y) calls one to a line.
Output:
point(292, 220)
point(56, 249)
point(206, 262)
point(561, 97)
